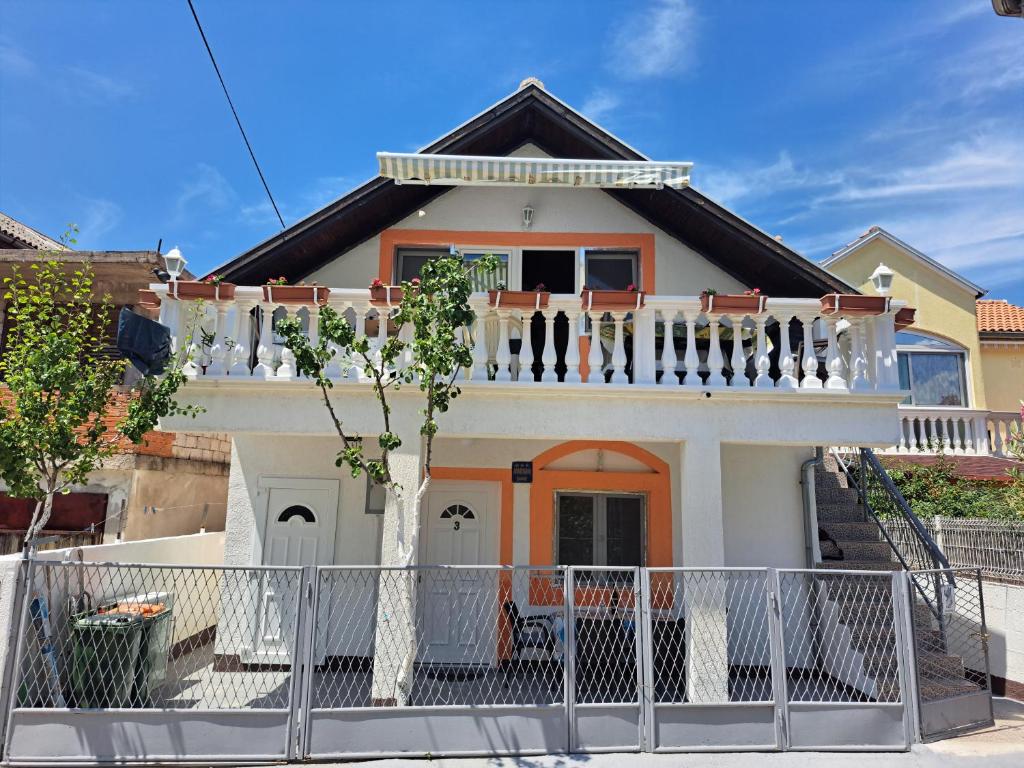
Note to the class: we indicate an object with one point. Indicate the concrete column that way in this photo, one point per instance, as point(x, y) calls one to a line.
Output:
point(704, 594)
point(395, 635)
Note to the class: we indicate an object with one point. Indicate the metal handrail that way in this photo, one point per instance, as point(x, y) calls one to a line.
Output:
point(928, 554)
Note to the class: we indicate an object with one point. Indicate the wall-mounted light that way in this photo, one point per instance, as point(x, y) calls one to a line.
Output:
point(527, 216)
point(882, 279)
point(174, 263)
point(421, 213)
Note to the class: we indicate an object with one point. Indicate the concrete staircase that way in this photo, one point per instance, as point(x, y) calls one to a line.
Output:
point(841, 516)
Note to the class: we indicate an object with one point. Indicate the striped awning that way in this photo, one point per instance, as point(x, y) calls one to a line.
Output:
point(526, 171)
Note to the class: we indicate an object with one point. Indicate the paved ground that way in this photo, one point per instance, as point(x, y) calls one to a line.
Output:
point(1001, 746)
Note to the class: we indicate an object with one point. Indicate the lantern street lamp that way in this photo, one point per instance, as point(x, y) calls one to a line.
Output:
point(174, 263)
point(882, 279)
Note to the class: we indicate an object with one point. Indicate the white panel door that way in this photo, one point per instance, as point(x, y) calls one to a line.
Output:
point(458, 607)
point(300, 531)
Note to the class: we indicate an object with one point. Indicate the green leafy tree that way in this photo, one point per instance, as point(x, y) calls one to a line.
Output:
point(425, 349)
point(58, 385)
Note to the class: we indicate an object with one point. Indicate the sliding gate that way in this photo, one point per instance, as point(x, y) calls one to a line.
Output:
point(250, 664)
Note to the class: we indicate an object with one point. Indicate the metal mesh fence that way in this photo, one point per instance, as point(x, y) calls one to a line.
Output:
point(951, 648)
point(710, 636)
point(839, 632)
point(438, 636)
point(605, 611)
point(141, 636)
point(994, 546)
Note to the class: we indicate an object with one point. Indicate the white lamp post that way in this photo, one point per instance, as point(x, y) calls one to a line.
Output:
point(174, 263)
point(882, 279)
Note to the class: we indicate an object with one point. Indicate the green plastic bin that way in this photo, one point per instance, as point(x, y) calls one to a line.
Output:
point(105, 657)
point(154, 649)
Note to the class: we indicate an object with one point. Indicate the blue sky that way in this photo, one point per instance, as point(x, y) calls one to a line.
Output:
point(813, 120)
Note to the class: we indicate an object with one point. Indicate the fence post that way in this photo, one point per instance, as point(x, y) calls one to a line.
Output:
point(984, 643)
point(646, 663)
point(302, 663)
point(906, 652)
point(938, 535)
point(569, 667)
point(15, 650)
point(777, 651)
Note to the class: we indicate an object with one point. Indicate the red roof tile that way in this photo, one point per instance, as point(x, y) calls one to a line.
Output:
point(1000, 316)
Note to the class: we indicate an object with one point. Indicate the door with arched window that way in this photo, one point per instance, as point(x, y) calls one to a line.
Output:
point(458, 606)
point(300, 524)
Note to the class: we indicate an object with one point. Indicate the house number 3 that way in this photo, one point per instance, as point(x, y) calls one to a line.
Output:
point(457, 525)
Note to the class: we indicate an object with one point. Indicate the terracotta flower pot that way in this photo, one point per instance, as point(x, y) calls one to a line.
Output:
point(853, 304)
point(296, 294)
point(518, 299)
point(194, 289)
point(612, 300)
point(148, 298)
point(905, 318)
point(725, 303)
point(386, 294)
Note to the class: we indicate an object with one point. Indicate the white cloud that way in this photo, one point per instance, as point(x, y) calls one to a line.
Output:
point(600, 104)
point(96, 86)
point(324, 190)
point(206, 190)
point(738, 183)
point(13, 61)
point(985, 162)
point(657, 41)
point(98, 216)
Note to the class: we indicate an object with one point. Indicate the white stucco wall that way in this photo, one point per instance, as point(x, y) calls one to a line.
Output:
point(762, 505)
point(678, 269)
point(1004, 614)
point(311, 458)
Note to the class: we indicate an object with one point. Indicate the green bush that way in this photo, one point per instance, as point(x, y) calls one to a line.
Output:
point(935, 489)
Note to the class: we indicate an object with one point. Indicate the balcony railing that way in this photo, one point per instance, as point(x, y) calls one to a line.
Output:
point(957, 431)
point(669, 342)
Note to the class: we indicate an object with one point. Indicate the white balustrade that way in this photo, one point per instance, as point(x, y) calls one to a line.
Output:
point(957, 431)
point(778, 344)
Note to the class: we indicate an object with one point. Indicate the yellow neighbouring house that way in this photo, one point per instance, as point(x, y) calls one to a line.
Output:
point(963, 358)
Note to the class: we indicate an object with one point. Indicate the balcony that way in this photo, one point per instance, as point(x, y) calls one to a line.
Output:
point(956, 431)
point(564, 372)
point(566, 345)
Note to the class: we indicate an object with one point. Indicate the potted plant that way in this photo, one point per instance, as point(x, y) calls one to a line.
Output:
point(536, 299)
point(751, 301)
point(381, 293)
point(606, 300)
point(211, 288)
point(853, 304)
point(277, 291)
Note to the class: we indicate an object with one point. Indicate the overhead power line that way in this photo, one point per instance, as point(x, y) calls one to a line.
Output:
point(234, 112)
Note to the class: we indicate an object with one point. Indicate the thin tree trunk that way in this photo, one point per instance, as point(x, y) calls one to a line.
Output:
point(40, 517)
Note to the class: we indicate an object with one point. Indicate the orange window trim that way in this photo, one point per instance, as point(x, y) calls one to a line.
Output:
point(390, 239)
point(655, 485)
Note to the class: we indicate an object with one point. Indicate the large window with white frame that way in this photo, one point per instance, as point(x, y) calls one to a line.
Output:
point(934, 370)
point(409, 263)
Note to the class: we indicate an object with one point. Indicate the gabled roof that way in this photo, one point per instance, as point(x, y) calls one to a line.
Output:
point(14, 234)
point(531, 115)
point(998, 317)
point(877, 233)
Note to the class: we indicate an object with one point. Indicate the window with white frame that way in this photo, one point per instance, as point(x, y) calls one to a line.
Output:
point(932, 369)
point(409, 264)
